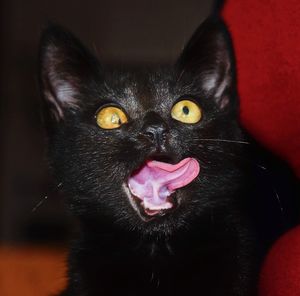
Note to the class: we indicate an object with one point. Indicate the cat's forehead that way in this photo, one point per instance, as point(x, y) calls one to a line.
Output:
point(144, 89)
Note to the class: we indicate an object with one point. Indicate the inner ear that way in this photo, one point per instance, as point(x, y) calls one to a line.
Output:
point(66, 69)
point(207, 58)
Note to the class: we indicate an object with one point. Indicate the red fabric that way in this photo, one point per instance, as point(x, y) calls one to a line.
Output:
point(266, 38)
point(280, 275)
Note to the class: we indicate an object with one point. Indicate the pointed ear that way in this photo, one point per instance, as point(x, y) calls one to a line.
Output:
point(207, 59)
point(66, 70)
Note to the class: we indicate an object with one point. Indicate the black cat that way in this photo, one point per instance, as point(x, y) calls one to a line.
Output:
point(173, 197)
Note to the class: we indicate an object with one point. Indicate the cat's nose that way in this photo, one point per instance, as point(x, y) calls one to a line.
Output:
point(155, 130)
point(155, 134)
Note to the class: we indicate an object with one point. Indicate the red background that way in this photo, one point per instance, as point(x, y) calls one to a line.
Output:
point(266, 38)
point(280, 274)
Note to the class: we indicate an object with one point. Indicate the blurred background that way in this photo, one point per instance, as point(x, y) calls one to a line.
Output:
point(128, 32)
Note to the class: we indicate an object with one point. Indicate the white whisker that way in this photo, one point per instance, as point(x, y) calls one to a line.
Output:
point(39, 203)
point(278, 199)
point(225, 140)
point(43, 199)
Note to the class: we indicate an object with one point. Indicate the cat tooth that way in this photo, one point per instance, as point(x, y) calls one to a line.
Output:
point(129, 186)
point(132, 191)
point(152, 207)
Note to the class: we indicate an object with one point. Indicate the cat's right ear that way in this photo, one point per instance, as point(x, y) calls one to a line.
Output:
point(207, 60)
point(67, 68)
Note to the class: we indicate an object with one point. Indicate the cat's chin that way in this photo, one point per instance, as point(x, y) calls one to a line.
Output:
point(148, 212)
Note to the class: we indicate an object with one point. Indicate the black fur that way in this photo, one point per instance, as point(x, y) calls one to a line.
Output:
point(226, 219)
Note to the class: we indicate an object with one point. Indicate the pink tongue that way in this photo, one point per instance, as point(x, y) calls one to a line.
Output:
point(156, 180)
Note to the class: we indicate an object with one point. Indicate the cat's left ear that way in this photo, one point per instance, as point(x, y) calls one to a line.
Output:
point(207, 60)
point(67, 70)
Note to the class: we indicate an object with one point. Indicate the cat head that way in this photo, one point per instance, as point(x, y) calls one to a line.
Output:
point(108, 129)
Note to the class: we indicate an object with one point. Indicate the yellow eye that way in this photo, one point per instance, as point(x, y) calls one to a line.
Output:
point(186, 111)
point(111, 117)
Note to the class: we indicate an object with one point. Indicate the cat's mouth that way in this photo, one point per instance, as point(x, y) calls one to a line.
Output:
point(151, 189)
point(148, 212)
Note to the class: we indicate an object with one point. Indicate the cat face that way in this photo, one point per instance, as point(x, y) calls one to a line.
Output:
point(106, 126)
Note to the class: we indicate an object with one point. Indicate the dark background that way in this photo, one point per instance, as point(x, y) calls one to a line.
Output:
point(128, 32)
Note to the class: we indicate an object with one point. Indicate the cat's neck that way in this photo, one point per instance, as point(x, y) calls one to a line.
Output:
point(97, 235)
